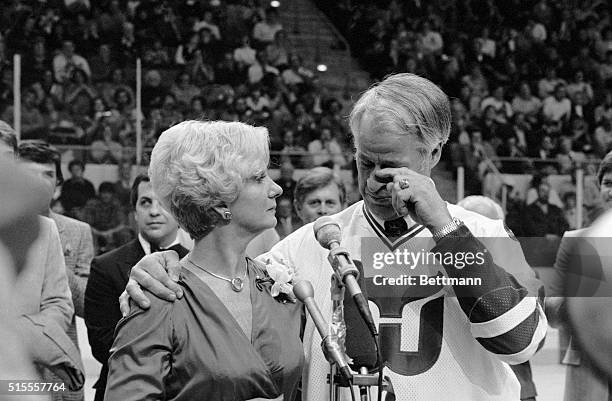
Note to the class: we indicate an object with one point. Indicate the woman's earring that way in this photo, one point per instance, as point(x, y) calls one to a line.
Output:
point(227, 215)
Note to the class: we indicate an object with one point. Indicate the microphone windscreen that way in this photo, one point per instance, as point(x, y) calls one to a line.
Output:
point(327, 231)
point(303, 290)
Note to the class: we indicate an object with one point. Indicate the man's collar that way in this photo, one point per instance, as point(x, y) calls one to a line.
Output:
point(146, 245)
point(380, 221)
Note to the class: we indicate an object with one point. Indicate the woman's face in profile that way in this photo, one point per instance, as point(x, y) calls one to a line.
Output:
point(255, 208)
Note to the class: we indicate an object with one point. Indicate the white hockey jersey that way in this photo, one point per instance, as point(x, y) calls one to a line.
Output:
point(440, 353)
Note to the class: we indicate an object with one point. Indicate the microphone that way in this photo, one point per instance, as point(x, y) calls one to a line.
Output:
point(328, 234)
point(304, 292)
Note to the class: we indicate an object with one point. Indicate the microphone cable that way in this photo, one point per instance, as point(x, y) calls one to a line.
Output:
point(379, 362)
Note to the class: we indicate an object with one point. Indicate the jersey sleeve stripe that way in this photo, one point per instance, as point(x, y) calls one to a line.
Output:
point(506, 321)
point(520, 343)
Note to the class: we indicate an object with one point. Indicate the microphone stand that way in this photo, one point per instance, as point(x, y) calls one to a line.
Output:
point(364, 380)
point(337, 330)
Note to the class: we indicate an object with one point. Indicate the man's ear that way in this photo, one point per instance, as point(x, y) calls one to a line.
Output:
point(434, 156)
point(298, 208)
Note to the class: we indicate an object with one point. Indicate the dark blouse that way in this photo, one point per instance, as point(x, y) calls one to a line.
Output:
point(193, 349)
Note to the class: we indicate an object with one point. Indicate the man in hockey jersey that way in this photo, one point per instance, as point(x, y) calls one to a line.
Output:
point(450, 330)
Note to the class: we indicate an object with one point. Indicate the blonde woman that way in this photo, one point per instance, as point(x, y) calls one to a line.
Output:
point(227, 338)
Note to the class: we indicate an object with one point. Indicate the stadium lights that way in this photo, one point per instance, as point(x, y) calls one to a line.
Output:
point(321, 67)
point(275, 4)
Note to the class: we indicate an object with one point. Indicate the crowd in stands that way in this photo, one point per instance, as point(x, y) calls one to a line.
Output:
point(528, 78)
point(229, 60)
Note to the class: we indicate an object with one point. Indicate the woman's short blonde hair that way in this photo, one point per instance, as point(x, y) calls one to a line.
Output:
point(198, 165)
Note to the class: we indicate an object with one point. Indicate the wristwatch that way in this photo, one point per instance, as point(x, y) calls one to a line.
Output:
point(447, 229)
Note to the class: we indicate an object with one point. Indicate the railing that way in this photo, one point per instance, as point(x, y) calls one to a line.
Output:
point(578, 171)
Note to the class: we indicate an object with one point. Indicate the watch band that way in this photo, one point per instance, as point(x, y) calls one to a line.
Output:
point(447, 229)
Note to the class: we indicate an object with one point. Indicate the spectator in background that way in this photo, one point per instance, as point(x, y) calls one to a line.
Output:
point(582, 109)
point(207, 22)
point(524, 102)
point(196, 109)
point(257, 101)
point(543, 219)
point(170, 111)
point(579, 85)
point(105, 148)
point(153, 91)
point(325, 151)
point(430, 41)
point(85, 34)
point(477, 83)
point(44, 162)
point(510, 148)
point(257, 71)
point(279, 50)
point(183, 90)
point(32, 121)
point(245, 55)
point(127, 44)
point(185, 52)
point(102, 64)
point(289, 147)
point(605, 70)
point(264, 31)
point(287, 220)
point(105, 216)
point(545, 149)
point(604, 44)
point(569, 211)
point(45, 86)
point(123, 185)
point(76, 190)
point(209, 46)
point(202, 71)
point(533, 193)
point(286, 180)
point(117, 81)
point(156, 229)
point(567, 158)
point(65, 61)
point(604, 110)
point(319, 192)
point(79, 93)
point(557, 108)
point(35, 62)
point(227, 71)
point(156, 55)
point(548, 85)
point(60, 125)
point(296, 75)
point(603, 137)
point(487, 45)
point(502, 108)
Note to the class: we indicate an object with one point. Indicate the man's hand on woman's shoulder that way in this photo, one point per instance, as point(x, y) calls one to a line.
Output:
point(158, 273)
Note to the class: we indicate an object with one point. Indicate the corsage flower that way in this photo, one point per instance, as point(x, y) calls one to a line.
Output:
point(279, 277)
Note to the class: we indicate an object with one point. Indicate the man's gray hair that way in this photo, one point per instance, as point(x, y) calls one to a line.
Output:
point(406, 104)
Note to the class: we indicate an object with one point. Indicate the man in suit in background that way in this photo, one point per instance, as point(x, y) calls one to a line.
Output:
point(157, 230)
point(44, 162)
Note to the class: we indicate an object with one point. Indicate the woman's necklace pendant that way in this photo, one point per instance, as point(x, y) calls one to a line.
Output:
point(237, 284)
